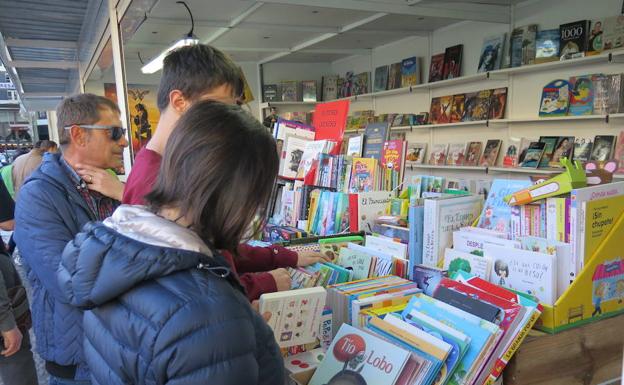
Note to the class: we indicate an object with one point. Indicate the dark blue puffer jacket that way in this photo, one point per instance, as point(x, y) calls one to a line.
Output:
point(155, 317)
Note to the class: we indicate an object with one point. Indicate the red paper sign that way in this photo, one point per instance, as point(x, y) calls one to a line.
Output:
point(330, 120)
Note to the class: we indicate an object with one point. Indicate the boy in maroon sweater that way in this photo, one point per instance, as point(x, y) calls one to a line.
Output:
point(200, 72)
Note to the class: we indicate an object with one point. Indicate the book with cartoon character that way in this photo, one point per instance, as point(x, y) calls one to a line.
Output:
point(555, 98)
point(496, 213)
point(358, 357)
point(295, 314)
point(581, 95)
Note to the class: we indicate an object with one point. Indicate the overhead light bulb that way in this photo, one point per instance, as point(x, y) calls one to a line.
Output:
point(156, 64)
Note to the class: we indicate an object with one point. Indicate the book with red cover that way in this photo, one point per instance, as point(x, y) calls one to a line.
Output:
point(330, 121)
point(513, 316)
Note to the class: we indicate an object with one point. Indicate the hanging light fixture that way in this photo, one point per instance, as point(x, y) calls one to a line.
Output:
point(156, 64)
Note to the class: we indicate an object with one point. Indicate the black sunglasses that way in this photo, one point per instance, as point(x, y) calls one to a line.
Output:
point(116, 132)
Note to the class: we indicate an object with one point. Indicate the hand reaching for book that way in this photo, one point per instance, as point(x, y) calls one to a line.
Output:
point(282, 279)
point(306, 258)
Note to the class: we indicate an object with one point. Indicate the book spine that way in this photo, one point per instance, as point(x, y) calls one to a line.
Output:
point(582, 219)
point(511, 349)
point(353, 213)
point(526, 220)
point(429, 233)
point(542, 219)
point(551, 219)
point(515, 223)
point(561, 219)
point(567, 220)
point(574, 238)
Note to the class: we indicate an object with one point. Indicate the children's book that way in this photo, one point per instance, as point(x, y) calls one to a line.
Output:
point(386, 245)
point(381, 78)
point(416, 153)
point(490, 154)
point(374, 137)
point(512, 153)
point(442, 217)
point(295, 314)
point(356, 356)
point(581, 95)
point(453, 61)
point(555, 98)
point(491, 53)
point(547, 46)
point(563, 253)
point(482, 334)
point(359, 263)
point(498, 102)
point(533, 155)
point(526, 271)
point(474, 243)
point(428, 278)
point(396, 77)
point(457, 108)
point(365, 207)
point(436, 68)
point(456, 154)
point(550, 142)
point(496, 213)
point(312, 151)
point(600, 217)
point(473, 153)
point(364, 175)
point(437, 155)
point(455, 260)
point(291, 156)
point(409, 71)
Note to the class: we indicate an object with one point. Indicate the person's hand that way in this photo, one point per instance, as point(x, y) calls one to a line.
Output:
point(282, 279)
point(255, 304)
point(101, 181)
point(12, 341)
point(306, 258)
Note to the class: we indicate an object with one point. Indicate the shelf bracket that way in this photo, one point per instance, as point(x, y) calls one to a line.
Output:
point(410, 89)
point(607, 119)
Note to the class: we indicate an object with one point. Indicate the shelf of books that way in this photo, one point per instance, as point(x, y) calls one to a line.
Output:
point(467, 123)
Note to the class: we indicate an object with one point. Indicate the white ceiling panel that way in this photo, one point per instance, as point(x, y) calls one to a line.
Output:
point(359, 41)
point(304, 57)
point(407, 23)
point(201, 9)
point(302, 15)
point(265, 38)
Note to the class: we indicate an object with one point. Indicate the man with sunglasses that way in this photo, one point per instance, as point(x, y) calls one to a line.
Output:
point(67, 191)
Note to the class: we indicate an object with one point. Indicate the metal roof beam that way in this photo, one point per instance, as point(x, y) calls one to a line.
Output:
point(447, 10)
point(59, 64)
point(353, 51)
point(45, 95)
point(32, 43)
point(37, 80)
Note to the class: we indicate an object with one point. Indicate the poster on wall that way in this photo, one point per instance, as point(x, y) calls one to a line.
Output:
point(142, 109)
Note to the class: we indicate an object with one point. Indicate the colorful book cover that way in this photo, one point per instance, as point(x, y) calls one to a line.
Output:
point(438, 154)
point(453, 61)
point(490, 154)
point(374, 137)
point(547, 46)
point(308, 90)
point(416, 153)
point(555, 98)
point(474, 242)
point(441, 218)
point(435, 111)
point(330, 87)
point(295, 314)
point(619, 153)
point(512, 154)
point(533, 155)
point(581, 95)
point(457, 108)
point(456, 154)
point(563, 149)
point(359, 263)
point(471, 102)
point(496, 212)
point(330, 121)
point(523, 45)
point(596, 32)
point(361, 83)
point(436, 68)
point(600, 217)
point(371, 205)
point(481, 109)
point(355, 145)
point(491, 53)
point(573, 39)
point(356, 356)
point(381, 78)
point(291, 156)
point(409, 72)
point(428, 278)
point(526, 271)
point(550, 142)
point(363, 174)
point(603, 148)
point(498, 102)
point(396, 77)
point(482, 334)
point(473, 153)
point(445, 109)
point(392, 155)
point(477, 265)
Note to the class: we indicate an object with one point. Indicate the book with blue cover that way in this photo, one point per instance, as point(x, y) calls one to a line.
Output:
point(581, 95)
point(374, 137)
point(483, 334)
point(409, 72)
point(415, 244)
point(496, 213)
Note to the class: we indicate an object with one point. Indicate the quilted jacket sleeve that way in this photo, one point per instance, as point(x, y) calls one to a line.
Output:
point(256, 259)
point(225, 347)
point(41, 233)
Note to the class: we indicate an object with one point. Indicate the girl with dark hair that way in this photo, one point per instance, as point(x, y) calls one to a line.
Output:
point(164, 306)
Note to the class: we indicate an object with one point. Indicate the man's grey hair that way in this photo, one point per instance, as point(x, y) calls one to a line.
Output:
point(80, 109)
